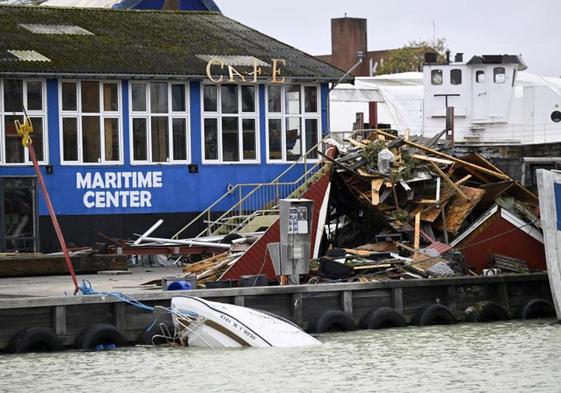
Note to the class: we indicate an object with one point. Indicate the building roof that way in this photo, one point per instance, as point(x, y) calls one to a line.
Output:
point(139, 43)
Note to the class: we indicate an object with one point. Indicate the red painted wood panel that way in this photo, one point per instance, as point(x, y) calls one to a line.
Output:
point(255, 260)
point(498, 236)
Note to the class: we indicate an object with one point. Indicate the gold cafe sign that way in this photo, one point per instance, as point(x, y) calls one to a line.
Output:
point(277, 66)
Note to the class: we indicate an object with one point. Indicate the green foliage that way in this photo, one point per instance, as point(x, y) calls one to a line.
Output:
point(411, 56)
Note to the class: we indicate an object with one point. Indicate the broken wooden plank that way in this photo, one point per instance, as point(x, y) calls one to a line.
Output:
point(449, 181)
point(458, 209)
point(500, 175)
point(432, 159)
point(417, 238)
point(376, 187)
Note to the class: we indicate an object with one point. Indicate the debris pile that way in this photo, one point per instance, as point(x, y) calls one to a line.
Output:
point(401, 209)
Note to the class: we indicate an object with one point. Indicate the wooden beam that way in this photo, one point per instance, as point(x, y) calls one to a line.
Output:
point(417, 243)
point(449, 181)
point(463, 180)
point(448, 157)
point(432, 159)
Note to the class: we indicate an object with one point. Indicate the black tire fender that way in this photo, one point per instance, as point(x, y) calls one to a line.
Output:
point(486, 312)
point(538, 308)
point(435, 314)
point(381, 318)
point(333, 320)
point(100, 334)
point(35, 339)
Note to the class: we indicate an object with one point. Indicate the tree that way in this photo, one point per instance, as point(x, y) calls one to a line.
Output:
point(411, 56)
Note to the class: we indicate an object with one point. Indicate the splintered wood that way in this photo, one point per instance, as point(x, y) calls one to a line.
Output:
point(211, 268)
point(417, 195)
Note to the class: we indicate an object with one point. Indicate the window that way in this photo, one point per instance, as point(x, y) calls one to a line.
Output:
point(499, 75)
point(456, 76)
point(480, 76)
point(436, 77)
point(160, 122)
point(293, 118)
point(15, 96)
point(230, 117)
point(90, 121)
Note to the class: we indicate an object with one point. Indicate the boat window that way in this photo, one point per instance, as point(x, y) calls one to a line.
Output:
point(15, 96)
point(160, 124)
point(556, 116)
point(499, 75)
point(436, 77)
point(293, 126)
point(230, 119)
point(480, 76)
point(456, 76)
point(91, 130)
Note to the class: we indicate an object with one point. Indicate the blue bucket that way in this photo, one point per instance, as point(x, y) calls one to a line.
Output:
point(179, 286)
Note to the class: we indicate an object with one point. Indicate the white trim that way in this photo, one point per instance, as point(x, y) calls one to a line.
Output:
point(170, 115)
point(505, 214)
point(522, 225)
point(240, 115)
point(283, 115)
point(32, 114)
point(78, 114)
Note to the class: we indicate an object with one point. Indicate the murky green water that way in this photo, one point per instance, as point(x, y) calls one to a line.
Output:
point(497, 357)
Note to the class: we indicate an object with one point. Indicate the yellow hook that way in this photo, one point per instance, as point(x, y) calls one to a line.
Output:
point(24, 130)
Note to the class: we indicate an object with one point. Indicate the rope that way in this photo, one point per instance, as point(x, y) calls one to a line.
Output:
point(87, 289)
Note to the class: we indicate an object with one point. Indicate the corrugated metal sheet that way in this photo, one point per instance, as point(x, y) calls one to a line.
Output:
point(147, 43)
point(255, 260)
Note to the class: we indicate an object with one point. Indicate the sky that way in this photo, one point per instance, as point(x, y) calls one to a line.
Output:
point(529, 27)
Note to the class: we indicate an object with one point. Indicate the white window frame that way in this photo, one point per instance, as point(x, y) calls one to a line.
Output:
point(170, 114)
point(282, 116)
point(218, 115)
point(102, 115)
point(32, 114)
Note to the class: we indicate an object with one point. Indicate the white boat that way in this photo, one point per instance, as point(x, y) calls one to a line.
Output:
point(203, 323)
point(495, 101)
point(549, 188)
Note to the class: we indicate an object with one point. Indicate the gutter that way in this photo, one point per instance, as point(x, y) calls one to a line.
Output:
point(76, 75)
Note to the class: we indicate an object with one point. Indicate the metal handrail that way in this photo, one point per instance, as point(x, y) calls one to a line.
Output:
point(257, 186)
point(240, 203)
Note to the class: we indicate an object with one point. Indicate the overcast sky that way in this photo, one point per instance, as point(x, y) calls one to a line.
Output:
point(528, 27)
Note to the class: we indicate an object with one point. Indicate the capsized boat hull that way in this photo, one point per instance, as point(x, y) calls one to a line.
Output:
point(203, 323)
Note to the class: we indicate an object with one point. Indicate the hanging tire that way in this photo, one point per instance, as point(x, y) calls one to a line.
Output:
point(35, 339)
point(333, 321)
point(382, 318)
point(486, 312)
point(100, 336)
point(538, 308)
point(436, 314)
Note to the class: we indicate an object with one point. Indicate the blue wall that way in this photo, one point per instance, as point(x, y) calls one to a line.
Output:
point(180, 190)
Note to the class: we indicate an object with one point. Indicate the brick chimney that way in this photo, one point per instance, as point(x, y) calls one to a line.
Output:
point(348, 36)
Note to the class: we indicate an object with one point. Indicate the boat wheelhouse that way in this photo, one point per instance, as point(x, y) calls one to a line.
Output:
point(144, 115)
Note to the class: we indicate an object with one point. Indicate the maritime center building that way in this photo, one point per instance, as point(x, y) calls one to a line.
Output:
point(142, 115)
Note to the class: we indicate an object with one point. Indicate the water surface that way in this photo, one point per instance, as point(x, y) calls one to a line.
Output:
point(499, 357)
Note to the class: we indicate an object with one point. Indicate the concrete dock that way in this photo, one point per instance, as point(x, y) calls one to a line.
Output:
point(40, 302)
